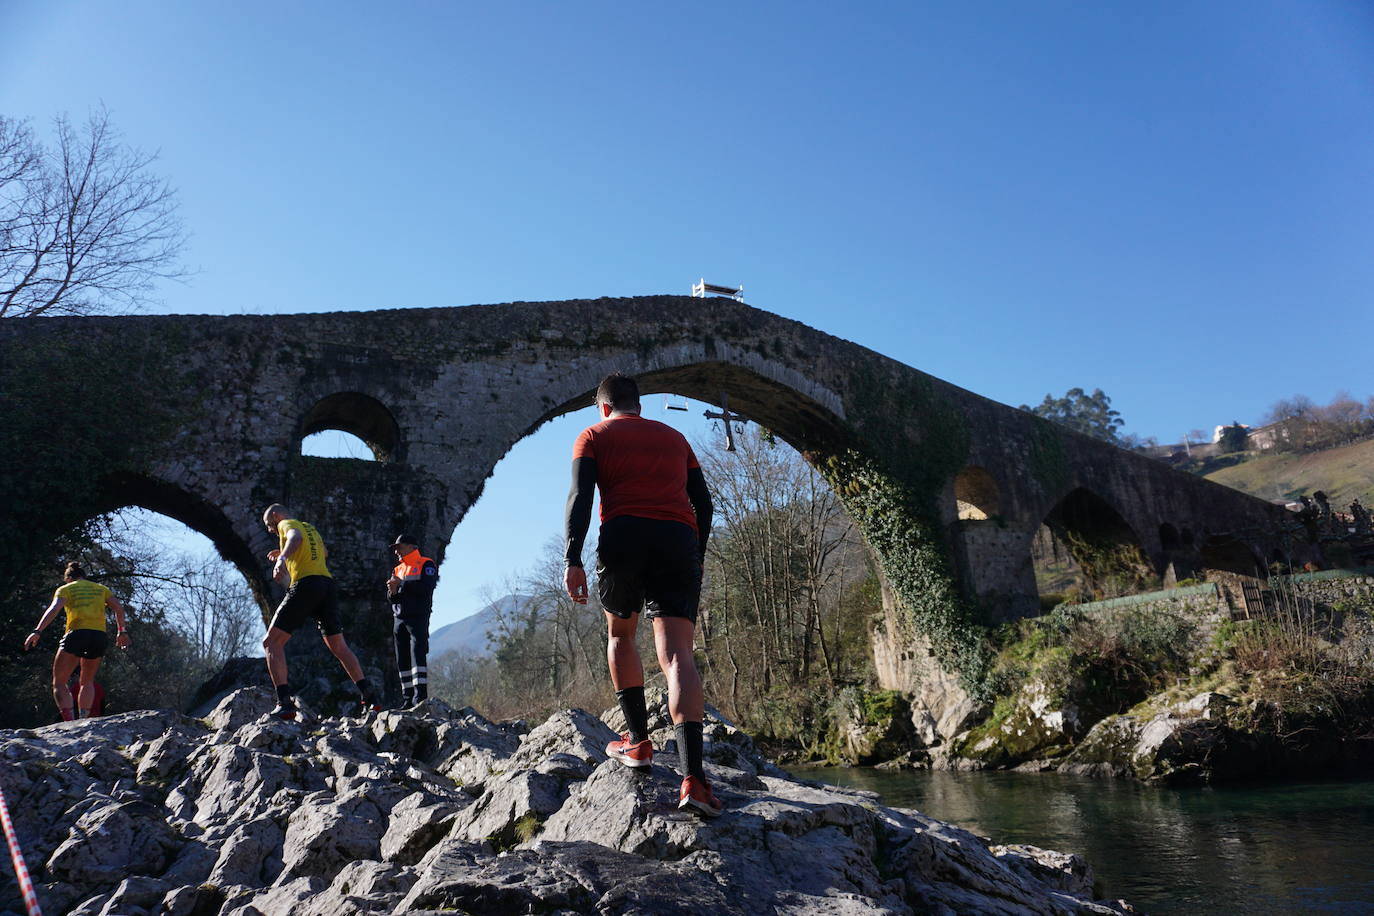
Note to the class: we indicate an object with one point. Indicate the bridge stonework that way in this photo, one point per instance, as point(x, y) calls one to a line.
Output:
point(204, 417)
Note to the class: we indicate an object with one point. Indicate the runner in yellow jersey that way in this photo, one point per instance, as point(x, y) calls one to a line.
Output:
point(300, 561)
point(85, 640)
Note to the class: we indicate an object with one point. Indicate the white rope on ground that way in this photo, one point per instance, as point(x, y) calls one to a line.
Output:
point(21, 871)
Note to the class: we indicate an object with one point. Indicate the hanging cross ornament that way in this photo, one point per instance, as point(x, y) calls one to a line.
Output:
point(725, 416)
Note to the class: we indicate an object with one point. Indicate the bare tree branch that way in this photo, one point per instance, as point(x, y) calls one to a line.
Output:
point(84, 228)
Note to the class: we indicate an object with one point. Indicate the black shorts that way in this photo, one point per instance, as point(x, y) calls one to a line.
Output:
point(648, 564)
point(85, 643)
point(313, 596)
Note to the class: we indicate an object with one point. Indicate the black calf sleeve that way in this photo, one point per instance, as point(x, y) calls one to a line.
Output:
point(364, 690)
point(631, 701)
point(689, 749)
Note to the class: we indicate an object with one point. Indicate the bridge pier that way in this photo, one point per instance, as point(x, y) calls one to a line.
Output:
point(997, 575)
point(359, 507)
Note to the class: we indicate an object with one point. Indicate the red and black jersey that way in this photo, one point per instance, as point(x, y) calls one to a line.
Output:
point(641, 468)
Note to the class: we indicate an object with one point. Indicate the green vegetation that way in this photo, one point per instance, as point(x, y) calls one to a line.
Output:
point(1113, 659)
point(1094, 664)
point(1090, 414)
point(1293, 684)
point(1232, 439)
point(891, 489)
point(865, 726)
point(526, 827)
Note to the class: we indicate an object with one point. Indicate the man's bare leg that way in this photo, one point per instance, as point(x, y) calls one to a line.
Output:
point(339, 646)
point(673, 640)
point(622, 655)
point(274, 648)
point(627, 677)
point(687, 706)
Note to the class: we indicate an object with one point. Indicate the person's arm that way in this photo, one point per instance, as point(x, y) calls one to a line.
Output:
point(578, 512)
point(122, 636)
point(577, 519)
point(293, 544)
point(32, 639)
point(700, 496)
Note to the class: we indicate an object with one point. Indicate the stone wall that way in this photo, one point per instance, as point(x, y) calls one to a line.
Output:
point(1203, 605)
point(1335, 588)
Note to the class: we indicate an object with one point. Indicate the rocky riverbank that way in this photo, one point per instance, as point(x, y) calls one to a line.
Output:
point(444, 811)
point(1162, 692)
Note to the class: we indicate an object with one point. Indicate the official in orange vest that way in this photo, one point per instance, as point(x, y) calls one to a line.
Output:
point(411, 588)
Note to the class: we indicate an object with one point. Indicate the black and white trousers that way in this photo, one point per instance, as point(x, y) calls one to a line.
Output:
point(412, 651)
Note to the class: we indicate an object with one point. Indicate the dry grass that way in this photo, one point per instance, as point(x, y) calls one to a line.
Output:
point(1344, 473)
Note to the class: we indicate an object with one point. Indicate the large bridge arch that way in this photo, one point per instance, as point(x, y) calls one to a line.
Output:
point(220, 404)
point(1107, 548)
point(124, 489)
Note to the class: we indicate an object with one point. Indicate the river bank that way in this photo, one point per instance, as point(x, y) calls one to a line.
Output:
point(1189, 685)
point(1291, 847)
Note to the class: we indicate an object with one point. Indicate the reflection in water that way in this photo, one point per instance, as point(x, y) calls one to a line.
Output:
point(1293, 848)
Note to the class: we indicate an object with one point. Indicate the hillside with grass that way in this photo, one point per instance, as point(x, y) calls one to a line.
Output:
point(1344, 473)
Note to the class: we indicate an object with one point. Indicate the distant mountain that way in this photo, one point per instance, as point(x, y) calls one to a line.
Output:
point(469, 635)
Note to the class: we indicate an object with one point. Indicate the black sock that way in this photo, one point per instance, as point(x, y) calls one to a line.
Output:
point(689, 749)
point(631, 701)
point(364, 690)
point(284, 697)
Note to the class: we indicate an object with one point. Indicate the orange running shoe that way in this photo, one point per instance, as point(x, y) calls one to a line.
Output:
point(637, 755)
point(696, 795)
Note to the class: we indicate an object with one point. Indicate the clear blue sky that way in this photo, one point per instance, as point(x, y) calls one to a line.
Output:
point(1171, 201)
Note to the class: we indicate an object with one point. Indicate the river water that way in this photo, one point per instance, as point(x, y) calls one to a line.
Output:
point(1276, 848)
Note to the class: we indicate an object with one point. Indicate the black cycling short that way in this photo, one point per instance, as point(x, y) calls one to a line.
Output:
point(313, 596)
point(648, 564)
point(85, 643)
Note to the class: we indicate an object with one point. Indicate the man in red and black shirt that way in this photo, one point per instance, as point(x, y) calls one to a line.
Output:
point(655, 518)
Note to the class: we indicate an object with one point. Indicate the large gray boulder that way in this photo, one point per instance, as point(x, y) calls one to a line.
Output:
point(330, 831)
point(115, 839)
point(942, 708)
point(444, 810)
point(470, 748)
point(569, 878)
point(1195, 740)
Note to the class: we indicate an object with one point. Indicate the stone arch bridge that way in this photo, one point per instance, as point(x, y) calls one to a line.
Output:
point(201, 418)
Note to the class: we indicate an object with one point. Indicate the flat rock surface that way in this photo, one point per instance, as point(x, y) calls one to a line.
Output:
point(438, 810)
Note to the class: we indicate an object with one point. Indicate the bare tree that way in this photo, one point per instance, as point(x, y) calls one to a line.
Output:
point(211, 606)
point(85, 227)
point(548, 651)
point(783, 562)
